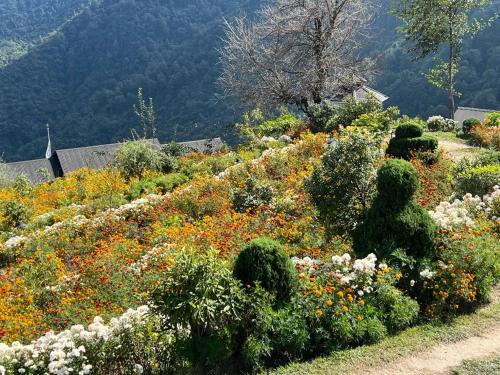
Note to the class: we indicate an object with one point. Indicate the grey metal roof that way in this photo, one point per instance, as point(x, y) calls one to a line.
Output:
point(65, 161)
point(204, 145)
point(35, 170)
point(95, 157)
point(464, 113)
point(364, 92)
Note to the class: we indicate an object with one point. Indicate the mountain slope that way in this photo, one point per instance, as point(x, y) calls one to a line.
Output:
point(83, 80)
point(82, 76)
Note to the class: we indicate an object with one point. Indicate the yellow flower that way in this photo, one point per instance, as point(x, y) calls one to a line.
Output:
point(359, 317)
point(350, 298)
point(345, 308)
point(340, 294)
point(329, 302)
point(319, 313)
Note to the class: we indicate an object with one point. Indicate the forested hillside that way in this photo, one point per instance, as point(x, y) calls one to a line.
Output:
point(83, 80)
point(78, 64)
point(28, 23)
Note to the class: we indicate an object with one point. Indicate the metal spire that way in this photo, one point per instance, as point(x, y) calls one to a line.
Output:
point(48, 153)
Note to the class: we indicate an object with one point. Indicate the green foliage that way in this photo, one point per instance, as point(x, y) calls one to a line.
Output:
point(402, 146)
point(252, 196)
point(397, 310)
point(343, 185)
point(395, 222)
point(397, 182)
point(200, 294)
point(377, 121)
point(409, 130)
point(134, 158)
point(492, 119)
point(351, 110)
point(478, 180)
point(319, 116)
point(264, 262)
point(161, 184)
point(429, 26)
point(255, 126)
point(15, 213)
point(469, 123)
point(278, 126)
point(146, 115)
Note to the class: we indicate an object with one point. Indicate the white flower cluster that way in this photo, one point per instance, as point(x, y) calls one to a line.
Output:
point(463, 211)
point(357, 274)
point(426, 274)
point(65, 353)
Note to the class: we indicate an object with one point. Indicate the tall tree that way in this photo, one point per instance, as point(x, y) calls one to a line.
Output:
point(437, 28)
point(296, 52)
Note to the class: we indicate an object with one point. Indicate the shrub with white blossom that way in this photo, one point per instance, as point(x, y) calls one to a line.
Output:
point(126, 345)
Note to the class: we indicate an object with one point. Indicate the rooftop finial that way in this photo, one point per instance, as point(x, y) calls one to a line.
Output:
point(48, 153)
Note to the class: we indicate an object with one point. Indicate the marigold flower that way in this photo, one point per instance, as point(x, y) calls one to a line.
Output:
point(329, 302)
point(345, 309)
point(319, 313)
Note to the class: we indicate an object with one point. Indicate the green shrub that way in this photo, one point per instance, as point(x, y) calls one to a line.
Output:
point(174, 149)
point(397, 310)
point(395, 221)
point(489, 157)
point(351, 110)
point(319, 115)
point(469, 123)
point(406, 148)
point(377, 121)
point(478, 180)
point(161, 184)
point(397, 182)
point(200, 296)
point(436, 123)
point(492, 120)
point(278, 126)
point(343, 185)
point(15, 213)
point(409, 130)
point(254, 195)
point(134, 158)
point(464, 277)
point(264, 261)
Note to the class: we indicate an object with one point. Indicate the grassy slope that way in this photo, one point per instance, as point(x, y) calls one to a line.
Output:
point(404, 344)
point(490, 366)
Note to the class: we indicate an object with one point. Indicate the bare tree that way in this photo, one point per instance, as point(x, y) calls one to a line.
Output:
point(296, 52)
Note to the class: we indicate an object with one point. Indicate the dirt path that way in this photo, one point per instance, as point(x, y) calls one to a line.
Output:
point(458, 151)
point(444, 357)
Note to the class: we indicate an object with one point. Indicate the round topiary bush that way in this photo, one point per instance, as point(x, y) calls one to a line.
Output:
point(469, 123)
point(395, 221)
point(406, 148)
point(397, 181)
point(409, 130)
point(264, 261)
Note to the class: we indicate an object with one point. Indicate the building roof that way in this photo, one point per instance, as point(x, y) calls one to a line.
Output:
point(36, 171)
point(464, 113)
point(204, 145)
point(95, 157)
point(364, 92)
point(68, 160)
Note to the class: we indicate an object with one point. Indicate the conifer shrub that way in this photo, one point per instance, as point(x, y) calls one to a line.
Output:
point(409, 141)
point(395, 222)
point(264, 261)
point(409, 130)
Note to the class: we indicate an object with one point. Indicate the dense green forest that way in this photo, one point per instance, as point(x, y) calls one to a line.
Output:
point(77, 64)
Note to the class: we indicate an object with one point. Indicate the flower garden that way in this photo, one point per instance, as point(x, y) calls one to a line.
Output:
point(292, 245)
